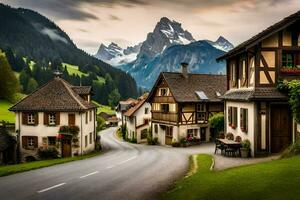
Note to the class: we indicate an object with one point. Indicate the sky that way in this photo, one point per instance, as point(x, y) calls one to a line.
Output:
point(127, 22)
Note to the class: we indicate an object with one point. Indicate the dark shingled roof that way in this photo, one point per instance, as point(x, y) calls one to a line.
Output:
point(82, 89)
point(184, 89)
point(56, 95)
point(262, 35)
point(256, 94)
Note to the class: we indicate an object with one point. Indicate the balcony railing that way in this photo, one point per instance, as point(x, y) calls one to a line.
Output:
point(169, 117)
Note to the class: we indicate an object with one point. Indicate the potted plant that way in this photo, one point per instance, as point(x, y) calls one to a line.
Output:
point(183, 142)
point(245, 149)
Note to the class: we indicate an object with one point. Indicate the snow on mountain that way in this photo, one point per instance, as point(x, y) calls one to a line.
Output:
point(222, 44)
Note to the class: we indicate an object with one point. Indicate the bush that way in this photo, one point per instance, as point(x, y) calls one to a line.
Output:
point(292, 150)
point(30, 158)
point(123, 131)
point(48, 153)
point(152, 141)
point(175, 143)
point(100, 124)
point(133, 140)
point(217, 122)
point(246, 144)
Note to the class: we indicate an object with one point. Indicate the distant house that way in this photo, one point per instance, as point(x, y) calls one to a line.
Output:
point(57, 115)
point(255, 109)
point(110, 119)
point(122, 107)
point(182, 103)
point(137, 120)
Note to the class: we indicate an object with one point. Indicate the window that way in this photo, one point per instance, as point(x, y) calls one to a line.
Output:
point(165, 108)
point(201, 108)
point(190, 133)
point(287, 60)
point(232, 117)
point(30, 118)
point(51, 119)
point(71, 119)
point(146, 121)
point(144, 134)
point(201, 116)
point(146, 110)
point(91, 112)
point(86, 117)
point(169, 131)
point(244, 119)
point(30, 142)
point(51, 140)
point(156, 128)
point(233, 72)
point(163, 92)
point(86, 140)
point(91, 138)
point(244, 70)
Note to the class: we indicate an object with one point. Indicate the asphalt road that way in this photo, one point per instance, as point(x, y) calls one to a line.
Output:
point(124, 171)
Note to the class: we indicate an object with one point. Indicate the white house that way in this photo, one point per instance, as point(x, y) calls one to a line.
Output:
point(137, 120)
point(58, 115)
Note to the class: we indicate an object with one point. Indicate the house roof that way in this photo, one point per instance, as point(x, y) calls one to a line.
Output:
point(133, 109)
point(82, 89)
point(194, 87)
point(105, 115)
point(56, 95)
point(255, 94)
point(125, 105)
point(262, 35)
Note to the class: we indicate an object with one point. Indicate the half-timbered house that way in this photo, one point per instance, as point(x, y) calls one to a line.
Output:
point(255, 109)
point(181, 104)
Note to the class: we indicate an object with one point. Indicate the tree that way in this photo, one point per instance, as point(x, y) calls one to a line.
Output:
point(24, 78)
point(32, 86)
point(113, 98)
point(9, 84)
point(217, 122)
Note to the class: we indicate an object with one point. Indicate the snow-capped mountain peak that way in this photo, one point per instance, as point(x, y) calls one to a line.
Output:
point(222, 44)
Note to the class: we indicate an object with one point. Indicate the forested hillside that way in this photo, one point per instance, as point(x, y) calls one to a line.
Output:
point(35, 46)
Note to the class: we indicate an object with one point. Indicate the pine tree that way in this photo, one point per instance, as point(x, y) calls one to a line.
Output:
point(32, 86)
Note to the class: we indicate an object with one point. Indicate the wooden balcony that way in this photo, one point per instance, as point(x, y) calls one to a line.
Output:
point(168, 117)
point(163, 99)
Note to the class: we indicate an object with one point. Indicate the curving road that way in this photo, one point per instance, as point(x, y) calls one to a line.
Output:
point(124, 171)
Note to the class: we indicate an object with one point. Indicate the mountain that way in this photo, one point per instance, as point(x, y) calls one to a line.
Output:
point(36, 38)
point(115, 55)
point(164, 49)
point(200, 55)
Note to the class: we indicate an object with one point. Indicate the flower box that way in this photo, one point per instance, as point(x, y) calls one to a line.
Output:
point(290, 71)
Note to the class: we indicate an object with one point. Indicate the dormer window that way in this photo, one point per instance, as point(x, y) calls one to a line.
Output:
point(30, 118)
point(51, 119)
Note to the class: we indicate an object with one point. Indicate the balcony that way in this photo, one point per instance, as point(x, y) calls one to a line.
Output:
point(161, 116)
point(163, 99)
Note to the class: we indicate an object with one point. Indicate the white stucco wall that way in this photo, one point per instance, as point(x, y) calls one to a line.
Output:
point(251, 119)
point(42, 130)
point(137, 120)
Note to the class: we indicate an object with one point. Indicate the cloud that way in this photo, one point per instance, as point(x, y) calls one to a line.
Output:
point(53, 34)
point(114, 18)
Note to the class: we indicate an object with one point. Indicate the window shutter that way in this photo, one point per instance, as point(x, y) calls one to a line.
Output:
point(235, 116)
point(36, 118)
point(46, 118)
point(246, 119)
point(35, 139)
point(24, 142)
point(57, 118)
point(24, 118)
point(242, 118)
point(229, 115)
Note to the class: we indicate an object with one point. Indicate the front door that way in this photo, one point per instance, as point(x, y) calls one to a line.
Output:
point(281, 127)
point(168, 135)
point(203, 133)
point(66, 148)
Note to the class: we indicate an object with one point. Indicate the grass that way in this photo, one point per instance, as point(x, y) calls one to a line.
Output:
point(12, 169)
point(277, 179)
point(73, 70)
point(104, 108)
point(4, 113)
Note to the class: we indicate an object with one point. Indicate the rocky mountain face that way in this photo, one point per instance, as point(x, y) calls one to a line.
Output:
point(163, 50)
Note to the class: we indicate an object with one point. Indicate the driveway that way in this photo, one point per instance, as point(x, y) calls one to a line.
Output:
point(124, 171)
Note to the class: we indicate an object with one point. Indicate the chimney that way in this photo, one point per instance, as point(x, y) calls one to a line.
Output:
point(57, 74)
point(184, 69)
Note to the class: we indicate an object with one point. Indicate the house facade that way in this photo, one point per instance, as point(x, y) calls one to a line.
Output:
point(137, 120)
point(56, 115)
point(254, 108)
point(181, 104)
point(122, 107)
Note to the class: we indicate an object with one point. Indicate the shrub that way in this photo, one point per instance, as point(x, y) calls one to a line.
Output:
point(246, 144)
point(152, 141)
point(30, 158)
point(175, 143)
point(100, 124)
point(48, 153)
point(123, 130)
point(133, 140)
point(183, 141)
point(217, 122)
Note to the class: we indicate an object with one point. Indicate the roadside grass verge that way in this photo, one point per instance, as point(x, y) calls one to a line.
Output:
point(277, 179)
point(17, 168)
point(5, 114)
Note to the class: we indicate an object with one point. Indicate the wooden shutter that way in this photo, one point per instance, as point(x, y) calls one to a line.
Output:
point(24, 118)
point(35, 139)
point(235, 116)
point(229, 115)
point(86, 117)
point(36, 118)
point(71, 119)
point(242, 118)
point(246, 120)
point(24, 142)
point(46, 118)
point(57, 118)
